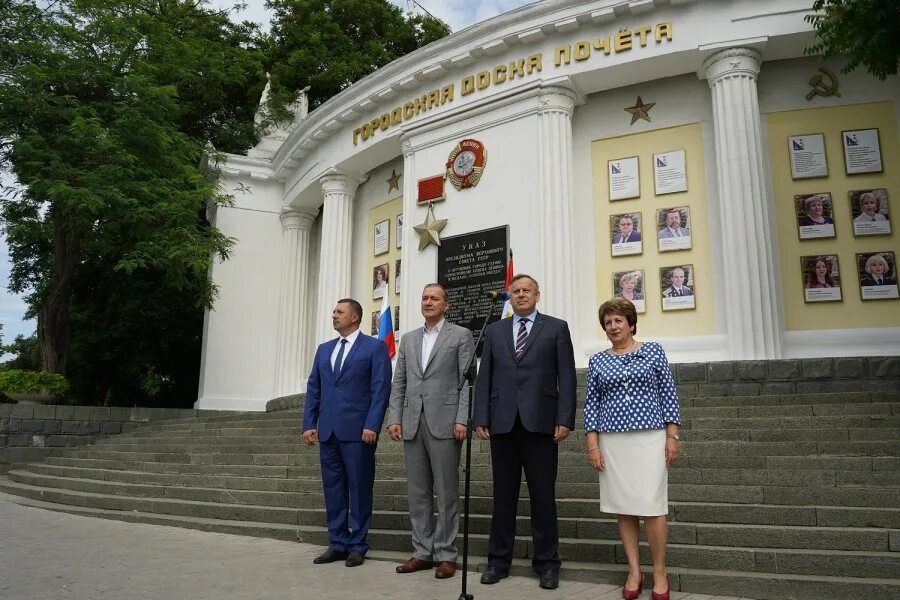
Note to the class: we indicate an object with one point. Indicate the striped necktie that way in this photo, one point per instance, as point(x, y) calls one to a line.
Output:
point(521, 336)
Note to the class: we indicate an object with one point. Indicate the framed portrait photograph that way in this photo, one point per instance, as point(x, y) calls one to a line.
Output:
point(396, 310)
point(669, 172)
point(380, 281)
point(821, 278)
point(624, 178)
point(877, 275)
point(673, 228)
point(871, 215)
point(862, 151)
point(397, 276)
point(399, 233)
point(807, 154)
point(376, 317)
point(382, 236)
point(677, 285)
point(815, 215)
point(625, 233)
point(630, 286)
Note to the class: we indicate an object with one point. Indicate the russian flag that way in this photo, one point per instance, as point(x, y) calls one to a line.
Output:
point(507, 310)
point(386, 326)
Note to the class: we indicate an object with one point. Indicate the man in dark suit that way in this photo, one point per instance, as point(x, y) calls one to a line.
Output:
point(525, 405)
point(626, 231)
point(346, 398)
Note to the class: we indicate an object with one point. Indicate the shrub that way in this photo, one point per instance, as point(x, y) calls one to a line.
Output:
point(32, 382)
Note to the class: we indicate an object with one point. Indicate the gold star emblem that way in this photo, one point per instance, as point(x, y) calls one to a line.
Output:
point(640, 110)
point(394, 180)
point(430, 231)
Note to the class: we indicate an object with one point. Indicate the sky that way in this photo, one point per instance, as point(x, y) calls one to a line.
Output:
point(458, 14)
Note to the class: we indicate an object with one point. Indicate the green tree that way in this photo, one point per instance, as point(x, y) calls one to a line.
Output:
point(329, 44)
point(26, 354)
point(865, 31)
point(106, 108)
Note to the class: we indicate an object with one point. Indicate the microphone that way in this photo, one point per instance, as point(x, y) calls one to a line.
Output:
point(498, 295)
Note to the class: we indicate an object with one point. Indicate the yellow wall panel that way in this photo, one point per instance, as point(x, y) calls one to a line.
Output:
point(852, 312)
point(383, 212)
point(655, 322)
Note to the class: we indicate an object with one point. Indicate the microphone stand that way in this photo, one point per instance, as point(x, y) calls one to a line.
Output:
point(470, 374)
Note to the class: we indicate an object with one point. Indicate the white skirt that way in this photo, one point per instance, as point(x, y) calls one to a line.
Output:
point(635, 480)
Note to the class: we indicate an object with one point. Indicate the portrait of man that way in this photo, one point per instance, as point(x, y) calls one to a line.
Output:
point(376, 317)
point(677, 287)
point(674, 222)
point(626, 228)
point(397, 276)
point(346, 397)
point(428, 413)
point(380, 281)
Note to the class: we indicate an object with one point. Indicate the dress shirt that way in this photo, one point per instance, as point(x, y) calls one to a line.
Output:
point(337, 348)
point(429, 337)
point(515, 323)
point(630, 392)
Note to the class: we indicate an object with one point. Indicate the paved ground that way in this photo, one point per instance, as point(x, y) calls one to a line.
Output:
point(46, 555)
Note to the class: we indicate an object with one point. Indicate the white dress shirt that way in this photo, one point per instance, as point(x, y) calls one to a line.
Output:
point(528, 325)
point(337, 348)
point(429, 337)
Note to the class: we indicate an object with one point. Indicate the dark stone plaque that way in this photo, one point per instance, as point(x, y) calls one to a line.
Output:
point(470, 266)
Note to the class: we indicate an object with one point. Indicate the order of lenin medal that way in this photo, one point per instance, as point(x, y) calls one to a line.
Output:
point(466, 164)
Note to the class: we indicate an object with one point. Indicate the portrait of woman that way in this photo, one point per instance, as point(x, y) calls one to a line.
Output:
point(877, 276)
point(631, 417)
point(821, 278)
point(878, 272)
point(870, 210)
point(379, 281)
point(814, 215)
point(820, 274)
point(629, 285)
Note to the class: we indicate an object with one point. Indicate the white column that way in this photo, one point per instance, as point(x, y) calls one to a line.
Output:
point(338, 190)
point(557, 202)
point(409, 296)
point(752, 312)
point(290, 359)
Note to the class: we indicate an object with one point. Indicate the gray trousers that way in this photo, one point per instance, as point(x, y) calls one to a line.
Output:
point(432, 466)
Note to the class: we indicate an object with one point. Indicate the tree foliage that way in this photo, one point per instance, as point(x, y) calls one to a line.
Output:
point(865, 31)
point(329, 44)
point(106, 107)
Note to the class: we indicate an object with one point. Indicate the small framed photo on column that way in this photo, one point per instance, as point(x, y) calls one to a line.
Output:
point(877, 275)
point(862, 151)
point(815, 215)
point(821, 278)
point(678, 287)
point(625, 230)
point(871, 215)
point(630, 286)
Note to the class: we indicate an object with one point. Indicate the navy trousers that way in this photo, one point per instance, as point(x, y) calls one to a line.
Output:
point(348, 478)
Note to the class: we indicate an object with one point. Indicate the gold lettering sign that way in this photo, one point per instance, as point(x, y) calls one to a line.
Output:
point(623, 40)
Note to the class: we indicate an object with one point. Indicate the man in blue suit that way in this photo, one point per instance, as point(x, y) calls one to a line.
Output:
point(346, 398)
point(525, 405)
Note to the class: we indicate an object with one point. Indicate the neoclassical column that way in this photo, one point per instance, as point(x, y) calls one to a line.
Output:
point(338, 190)
point(408, 296)
point(752, 312)
point(290, 359)
point(557, 202)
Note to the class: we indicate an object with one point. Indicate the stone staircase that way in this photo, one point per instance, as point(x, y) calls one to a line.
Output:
point(776, 496)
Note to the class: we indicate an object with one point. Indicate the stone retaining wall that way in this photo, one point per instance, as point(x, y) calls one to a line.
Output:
point(31, 431)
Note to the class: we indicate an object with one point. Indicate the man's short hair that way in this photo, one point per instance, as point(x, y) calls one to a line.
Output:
point(515, 278)
point(437, 285)
point(355, 307)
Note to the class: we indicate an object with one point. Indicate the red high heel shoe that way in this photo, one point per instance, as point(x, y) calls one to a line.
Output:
point(664, 595)
point(632, 594)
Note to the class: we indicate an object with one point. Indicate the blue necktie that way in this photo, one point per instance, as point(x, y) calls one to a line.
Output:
point(339, 359)
point(521, 336)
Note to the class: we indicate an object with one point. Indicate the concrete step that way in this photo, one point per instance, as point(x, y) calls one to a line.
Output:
point(810, 562)
point(721, 582)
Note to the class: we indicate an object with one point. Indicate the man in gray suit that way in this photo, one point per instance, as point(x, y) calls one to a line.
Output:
point(673, 228)
point(429, 415)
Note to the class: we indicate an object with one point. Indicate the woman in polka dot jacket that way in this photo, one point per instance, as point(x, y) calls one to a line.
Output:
point(631, 417)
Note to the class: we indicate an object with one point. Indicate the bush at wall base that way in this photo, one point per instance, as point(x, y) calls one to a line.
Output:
point(32, 387)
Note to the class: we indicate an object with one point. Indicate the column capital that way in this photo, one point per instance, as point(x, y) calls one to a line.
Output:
point(297, 218)
point(340, 182)
point(557, 98)
point(732, 62)
point(406, 146)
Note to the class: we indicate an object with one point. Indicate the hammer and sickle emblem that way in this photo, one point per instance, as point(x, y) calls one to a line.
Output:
point(824, 83)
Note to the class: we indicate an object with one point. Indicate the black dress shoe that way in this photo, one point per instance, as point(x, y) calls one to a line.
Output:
point(492, 575)
point(354, 559)
point(329, 556)
point(549, 580)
